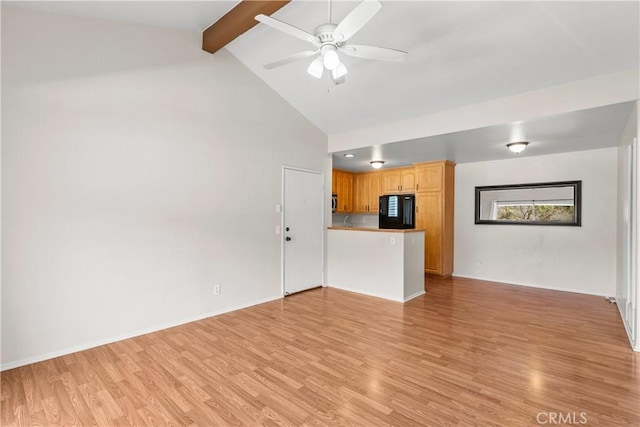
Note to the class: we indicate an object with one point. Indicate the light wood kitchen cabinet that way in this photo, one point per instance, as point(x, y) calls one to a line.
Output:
point(398, 180)
point(333, 181)
point(429, 176)
point(342, 186)
point(434, 213)
point(366, 192)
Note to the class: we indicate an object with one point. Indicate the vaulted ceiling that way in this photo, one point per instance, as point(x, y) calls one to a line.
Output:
point(460, 53)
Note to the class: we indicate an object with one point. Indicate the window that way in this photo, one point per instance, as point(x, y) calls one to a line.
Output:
point(534, 210)
point(556, 203)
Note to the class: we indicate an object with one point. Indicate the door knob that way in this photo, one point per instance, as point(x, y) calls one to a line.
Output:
point(287, 238)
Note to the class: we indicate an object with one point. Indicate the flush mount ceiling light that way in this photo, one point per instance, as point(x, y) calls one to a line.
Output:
point(349, 155)
point(517, 147)
point(377, 164)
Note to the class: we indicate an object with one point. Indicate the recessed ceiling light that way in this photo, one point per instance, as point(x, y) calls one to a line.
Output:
point(517, 147)
point(349, 155)
point(377, 164)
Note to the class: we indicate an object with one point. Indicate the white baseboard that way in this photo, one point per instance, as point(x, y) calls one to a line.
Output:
point(371, 294)
point(416, 295)
point(529, 285)
point(86, 346)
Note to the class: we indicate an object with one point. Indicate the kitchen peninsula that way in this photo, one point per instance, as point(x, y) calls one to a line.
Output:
point(383, 263)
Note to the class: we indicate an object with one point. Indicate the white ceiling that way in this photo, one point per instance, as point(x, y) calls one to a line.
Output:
point(460, 53)
point(181, 15)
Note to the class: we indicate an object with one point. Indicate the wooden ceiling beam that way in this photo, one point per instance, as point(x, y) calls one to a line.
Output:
point(237, 21)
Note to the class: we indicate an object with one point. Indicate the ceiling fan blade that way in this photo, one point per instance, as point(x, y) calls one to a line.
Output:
point(356, 19)
point(373, 52)
point(291, 58)
point(288, 29)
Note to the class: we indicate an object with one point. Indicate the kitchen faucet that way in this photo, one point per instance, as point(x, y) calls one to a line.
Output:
point(347, 219)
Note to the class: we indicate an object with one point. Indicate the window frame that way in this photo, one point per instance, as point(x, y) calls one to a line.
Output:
point(577, 199)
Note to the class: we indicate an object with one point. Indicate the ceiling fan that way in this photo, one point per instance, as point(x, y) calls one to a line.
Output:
point(329, 40)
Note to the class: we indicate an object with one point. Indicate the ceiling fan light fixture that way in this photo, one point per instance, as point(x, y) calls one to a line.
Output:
point(339, 71)
point(328, 38)
point(377, 164)
point(316, 68)
point(517, 147)
point(330, 57)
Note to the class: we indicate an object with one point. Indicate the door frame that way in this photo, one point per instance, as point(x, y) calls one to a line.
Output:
point(627, 301)
point(323, 225)
point(630, 309)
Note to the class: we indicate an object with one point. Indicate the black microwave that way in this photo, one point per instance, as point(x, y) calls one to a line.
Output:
point(397, 211)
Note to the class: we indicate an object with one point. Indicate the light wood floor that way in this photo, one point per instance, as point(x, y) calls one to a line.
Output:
point(467, 353)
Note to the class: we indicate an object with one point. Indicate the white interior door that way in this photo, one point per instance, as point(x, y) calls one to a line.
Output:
point(303, 230)
point(631, 285)
point(625, 295)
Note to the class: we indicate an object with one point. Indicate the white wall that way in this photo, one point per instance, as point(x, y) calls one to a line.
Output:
point(577, 259)
point(137, 172)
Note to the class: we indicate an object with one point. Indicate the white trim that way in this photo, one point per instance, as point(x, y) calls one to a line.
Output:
point(632, 297)
point(529, 285)
point(416, 295)
point(634, 346)
point(92, 344)
point(370, 294)
point(284, 167)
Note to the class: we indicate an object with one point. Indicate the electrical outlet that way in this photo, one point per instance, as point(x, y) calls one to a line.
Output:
point(216, 290)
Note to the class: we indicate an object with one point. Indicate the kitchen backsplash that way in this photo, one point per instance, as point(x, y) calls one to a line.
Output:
point(357, 220)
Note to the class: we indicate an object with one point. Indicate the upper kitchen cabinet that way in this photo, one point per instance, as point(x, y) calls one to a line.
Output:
point(434, 213)
point(342, 186)
point(334, 188)
point(429, 176)
point(367, 192)
point(398, 180)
